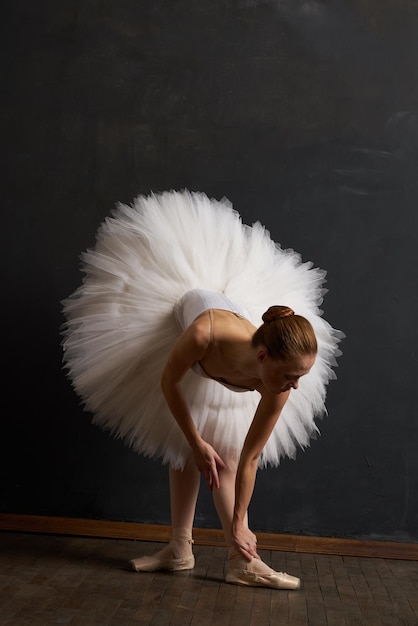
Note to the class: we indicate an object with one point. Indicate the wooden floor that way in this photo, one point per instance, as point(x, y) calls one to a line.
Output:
point(52, 579)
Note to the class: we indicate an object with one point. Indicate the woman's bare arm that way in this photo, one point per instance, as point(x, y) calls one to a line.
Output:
point(190, 347)
point(265, 418)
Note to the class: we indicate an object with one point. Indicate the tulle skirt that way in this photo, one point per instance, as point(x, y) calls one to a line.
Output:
point(120, 325)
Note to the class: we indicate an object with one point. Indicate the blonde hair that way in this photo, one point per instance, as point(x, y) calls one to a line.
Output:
point(284, 334)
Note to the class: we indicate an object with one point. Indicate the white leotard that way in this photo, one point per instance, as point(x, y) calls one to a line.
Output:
point(196, 302)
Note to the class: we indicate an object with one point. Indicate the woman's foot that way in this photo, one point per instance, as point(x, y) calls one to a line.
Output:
point(256, 573)
point(176, 556)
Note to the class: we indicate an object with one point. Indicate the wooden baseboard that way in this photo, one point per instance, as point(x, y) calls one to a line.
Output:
point(212, 537)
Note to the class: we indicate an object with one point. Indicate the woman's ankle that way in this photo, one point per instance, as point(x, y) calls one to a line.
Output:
point(181, 542)
point(182, 534)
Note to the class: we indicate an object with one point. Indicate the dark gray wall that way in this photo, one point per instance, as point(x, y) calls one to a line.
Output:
point(304, 114)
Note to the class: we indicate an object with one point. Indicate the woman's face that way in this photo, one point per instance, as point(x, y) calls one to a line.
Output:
point(278, 375)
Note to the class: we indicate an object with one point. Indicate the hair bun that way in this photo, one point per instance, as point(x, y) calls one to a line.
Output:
point(277, 312)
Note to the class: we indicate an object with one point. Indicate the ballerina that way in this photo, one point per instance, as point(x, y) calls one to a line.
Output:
point(166, 348)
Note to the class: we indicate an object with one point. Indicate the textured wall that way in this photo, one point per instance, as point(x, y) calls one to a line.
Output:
point(304, 115)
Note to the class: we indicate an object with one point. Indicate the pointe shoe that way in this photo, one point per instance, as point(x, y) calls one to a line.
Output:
point(166, 559)
point(155, 564)
point(243, 572)
point(277, 580)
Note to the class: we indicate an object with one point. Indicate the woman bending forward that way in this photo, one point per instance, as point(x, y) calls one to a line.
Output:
point(221, 344)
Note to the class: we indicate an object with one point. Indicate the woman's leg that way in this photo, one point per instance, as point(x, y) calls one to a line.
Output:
point(224, 500)
point(178, 554)
point(239, 570)
point(184, 489)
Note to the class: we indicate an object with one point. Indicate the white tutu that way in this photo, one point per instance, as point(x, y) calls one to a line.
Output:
point(120, 325)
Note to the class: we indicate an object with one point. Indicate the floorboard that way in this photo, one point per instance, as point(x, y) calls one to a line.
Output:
point(81, 581)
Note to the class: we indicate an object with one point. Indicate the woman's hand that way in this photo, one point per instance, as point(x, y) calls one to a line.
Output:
point(245, 541)
point(209, 463)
